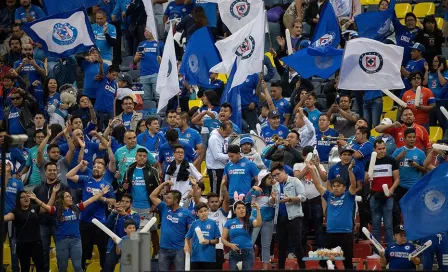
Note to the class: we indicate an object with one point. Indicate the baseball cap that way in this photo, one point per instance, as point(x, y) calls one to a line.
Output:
point(418, 46)
point(261, 175)
point(340, 180)
point(398, 229)
point(247, 140)
point(346, 149)
point(126, 78)
point(10, 164)
point(273, 114)
point(386, 121)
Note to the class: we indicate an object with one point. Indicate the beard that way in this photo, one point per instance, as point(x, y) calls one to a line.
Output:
point(96, 175)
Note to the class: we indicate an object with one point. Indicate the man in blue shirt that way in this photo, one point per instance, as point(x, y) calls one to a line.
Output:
point(416, 64)
point(274, 128)
point(340, 170)
point(152, 138)
point(105, 36)
point(324, 145)
point(175, 222)
point(92, 66)
point(190, 136)
point(249, 101)
point(177, 9)
point(28, 12)
point(281, 104)
point(310, 108)
point(240, 173)
point(29, 68)
point(397, 254)
point(106, 95)
point(90, 233)
point(363, 147)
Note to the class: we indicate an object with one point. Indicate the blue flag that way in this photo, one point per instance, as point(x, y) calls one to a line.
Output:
point(200, 55)
point(321, 61)
point(381, 28)
point(233, 97)
point(53, 7)
point(424, 206)
point(62, 35)
point(327, 31)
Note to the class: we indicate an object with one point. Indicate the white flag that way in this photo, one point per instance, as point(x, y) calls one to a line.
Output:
point(371, 65)
point(167, 79)
point(247, 47)
point(237, 13)
point(150, 20)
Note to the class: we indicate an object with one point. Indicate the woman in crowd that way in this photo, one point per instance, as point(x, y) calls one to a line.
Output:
point(436, 76)
point(431, 37)
point(237, 235)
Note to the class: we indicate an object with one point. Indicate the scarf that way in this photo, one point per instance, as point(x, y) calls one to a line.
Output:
point(183, 173)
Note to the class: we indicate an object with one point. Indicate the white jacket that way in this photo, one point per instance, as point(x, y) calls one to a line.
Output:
point(254, 157)
point(216, 156)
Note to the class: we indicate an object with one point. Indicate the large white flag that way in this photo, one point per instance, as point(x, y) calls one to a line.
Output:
point(150, 20)
point(237, 13)
point(247, 47)
point(167, 79)
point(371, 65)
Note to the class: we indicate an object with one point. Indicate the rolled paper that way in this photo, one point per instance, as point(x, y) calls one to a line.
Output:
point(148, 225)
point(444, 111)
point(386, 190)
point(187, 261)
point(199, 234)
point(239, 265)
point(358, 198)
point(288, 41)
point(106, 230)
point(418, 94)
point(372, 239)
point(309, 156)
point(418, 251)
point(440, 147)
point(372, 164)
point(315, 152)
point(230, 215)
point(395, 98)
point(330, 265)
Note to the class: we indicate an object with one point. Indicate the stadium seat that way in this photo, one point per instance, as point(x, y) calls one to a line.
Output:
point(388, 103)
point(258, 265)
point(401, 9)
point(439, 22)
point(291, 264)
point(203, 169)
point(206, 181)
point(150, 105)
point(392, 115)
point(312, 265)
point(373, 2)
point(274, 31)
point(435, 134)
point(195, 103)
point(372, 8)
point(423, 9)
point(269, 55)
point(135, 75)
point(223, 78)
point(364, 2)
point(271, 3)
point(6, 255)
point(94, 267)
point(373, 133)
point(360, 265)
point(225, 266)
point(362, 250)
point(374, 264)
point(339, 265)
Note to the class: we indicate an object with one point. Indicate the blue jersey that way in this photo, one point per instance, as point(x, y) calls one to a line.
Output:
point(97, 209)
point(210, 231)
point(166, 154)
point(413, 66)
point(35, 13)
point(340, 212)
point(408, 174)
point(14, 185)
point(404, 38)
point(14, 126)
point(397, 256)
point(267, 132)
point(283, 107)
point(175, 226)
point(149, 64)
point(434, 84)
point(341, 171)
point(127, 120)
point(90, 71)
point(174, 10)
point(238, 234)
point(190, 136)
point(107, 91)
point(372, 94)
point(313, 116)
point(69, 226)
point(325, 145)
point(90, 149)
point(247, 92)
point(101, 42)
point(108, 7)
point(28, 72)
point(152, 143)
point(240, 175)
point(366, 150)
point(15, 156)
point(138, 192)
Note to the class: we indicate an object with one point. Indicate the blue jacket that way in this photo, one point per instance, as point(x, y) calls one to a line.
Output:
point(119, 8)
point(115, 222)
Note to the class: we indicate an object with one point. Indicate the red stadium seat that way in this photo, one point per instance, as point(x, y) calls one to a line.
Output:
point(339, 265)
point(374, 264)
point(360, 265)
point(361, 250)
point(226, 265)
point(312, 264)
point(258, 265)
point(291, 264)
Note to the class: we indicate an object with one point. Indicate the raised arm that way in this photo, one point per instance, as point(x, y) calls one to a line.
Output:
point(112, 165)
point(225, 196)
point(154, 197)
point(315, 179)
point(257, 222)
point(71, 145)
point(351, 175)
point(96, 197)
point(43, 207)
point(71, 175)
point(40, 160)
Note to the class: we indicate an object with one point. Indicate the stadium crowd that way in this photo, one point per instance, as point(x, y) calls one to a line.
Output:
point(97, 149)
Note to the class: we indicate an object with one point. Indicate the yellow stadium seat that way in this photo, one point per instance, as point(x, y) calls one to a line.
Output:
point(401, 9)
point(53, 266)
point(435, 134)
point(269, 55)
point(439, 22)
point(391, 115)
point(206, 185)
point(223, 77)
point(332, 126)
point(117, 268)
point(388, 103)
point(6, 255)
point(373, 2)
point(94, 267)
point(423, 9)
point(203, 169)
point(402, 22)
point(373, 133)
point(364, 2)
point(195, 103)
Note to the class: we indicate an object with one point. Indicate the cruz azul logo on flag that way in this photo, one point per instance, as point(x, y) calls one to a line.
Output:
point(246, 49)
point(371, 62)
point(239, 9)
point(193, 63)
point(325, 40)
point(64, 34)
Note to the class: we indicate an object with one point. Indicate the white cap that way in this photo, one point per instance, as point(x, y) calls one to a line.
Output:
point(10, 164)
point(261, 175)
point(386, 121)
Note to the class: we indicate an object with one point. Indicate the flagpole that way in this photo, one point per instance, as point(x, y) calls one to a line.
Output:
point(267, 26)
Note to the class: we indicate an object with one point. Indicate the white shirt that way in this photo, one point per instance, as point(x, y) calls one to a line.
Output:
point(183, 186)
point(310, 189)
point(307, 134)
point(220, 218)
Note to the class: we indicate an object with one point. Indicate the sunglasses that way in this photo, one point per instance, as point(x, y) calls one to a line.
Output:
point(15, 98)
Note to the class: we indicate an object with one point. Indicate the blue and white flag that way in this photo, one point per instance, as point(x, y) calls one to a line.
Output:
point(200, 55)
point(63, 34)
point(424, 206)
point(375, 25)
point(327, 31)
point(233, 97)
point(53, 7)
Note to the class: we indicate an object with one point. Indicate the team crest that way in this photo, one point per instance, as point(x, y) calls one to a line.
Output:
point(64, 34)
point(14, 184)
point(434, 200)
point(193, 63)
point(323, 62)
point(208, 227)
point(246, 49)
point(239, 9)
point(371, 62)
point(180, 214)
point(325, 40)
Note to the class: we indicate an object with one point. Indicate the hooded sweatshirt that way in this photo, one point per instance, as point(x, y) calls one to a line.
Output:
point(254, 157)
point(216, 156)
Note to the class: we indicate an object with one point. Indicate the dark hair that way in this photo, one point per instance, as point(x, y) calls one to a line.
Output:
point(211, 195)
point(200, 206)
point(37, 131)
point(55, 130)
point(139, 124)
point(233, 149)
point(142, 150)
point(176, 195)
point(246, 219)
point(177, 146)
point(227, 105)
point(306, 150)
point(277, 166)
point(18, 199)
point(129, 196)
point(346, 95)
point(171, 111)
point(378, 142)
point(324, 114)
point(127, 98)
point(201, 185)
point(430, 19)
point(50, 163)
point(74, 117)
point(365, 130)
point(379, 4)
point(407, 108)
point(212, 97)
point(46, 93)
point(129, 222)
point(313, 94)
point(276, 84)
point(59, 204)
point(442, 61)
point(14, 39)
point(193, 111)
point(413, 74)
point(172, 135)
point(410, 14)
point(118, 133)
point(113, 68)
point(51, 146)
point(409, 131)
point(8, 76)
point(199, 16)
point(106, 160)
point(151, 119)
point(225, 125)
point(295, 132)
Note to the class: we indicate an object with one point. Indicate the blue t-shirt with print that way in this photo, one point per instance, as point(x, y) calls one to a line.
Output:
point(313, 116)
point(14, 126)
point(175, 226)
point(69, 227)
point(148, 63)
point(409, 175)
point(28, 72)
point(339, 212)
point(14, 185)
point(238, 235)
point(434, 83)
point(372, 94)
point(90, 71)
point(413, 66)
point(366, 150)
point(325, 145)
point(190, 136)
point(138, 191)
point(336, 170)
point(98, 208)
point(107, 91)
point(247, 92)
point(284, 108)
point(151, 143)
point(90, 149)
point(127, 120)
point(174, 10)
point(34, 12)
point(101, 42)
point(397, 256)
point(240, 175)
point(267, 132)
point(210, 231)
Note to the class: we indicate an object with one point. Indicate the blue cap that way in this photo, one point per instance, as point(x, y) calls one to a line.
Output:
point(418, 46)
point(246, 140)
point(304, 44)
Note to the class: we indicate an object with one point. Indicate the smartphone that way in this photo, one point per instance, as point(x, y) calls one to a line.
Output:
point(141, 49)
